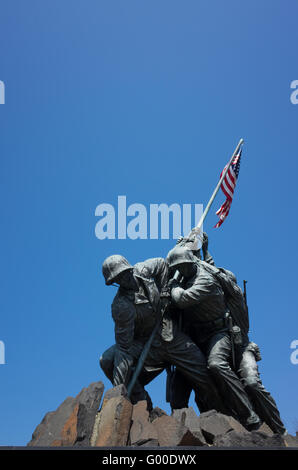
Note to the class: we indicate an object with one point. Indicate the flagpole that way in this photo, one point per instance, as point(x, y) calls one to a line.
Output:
point(196, 230)
point(200, 223)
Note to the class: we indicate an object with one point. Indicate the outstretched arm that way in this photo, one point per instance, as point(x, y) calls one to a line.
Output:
point(207, 256)
point(123, 315)
point(185, 298)
point(156, 270)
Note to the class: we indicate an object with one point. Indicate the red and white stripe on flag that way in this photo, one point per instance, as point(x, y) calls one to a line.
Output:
point(228, 187)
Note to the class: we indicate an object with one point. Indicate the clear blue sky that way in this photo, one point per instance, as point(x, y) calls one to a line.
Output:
point(144, 99)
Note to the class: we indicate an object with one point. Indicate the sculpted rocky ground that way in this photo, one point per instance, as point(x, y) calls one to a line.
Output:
point(88, 420)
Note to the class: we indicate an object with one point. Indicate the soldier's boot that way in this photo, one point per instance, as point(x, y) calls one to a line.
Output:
point(235, 395)
point(264, 404)
point(140, 394)
point(253, 422)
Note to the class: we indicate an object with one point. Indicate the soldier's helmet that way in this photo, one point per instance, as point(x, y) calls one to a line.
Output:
point(179, 255)
point(113, 266)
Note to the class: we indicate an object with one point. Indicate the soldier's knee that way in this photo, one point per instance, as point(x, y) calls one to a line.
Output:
point(216, 366)
point(101, 362)
point(105, 363)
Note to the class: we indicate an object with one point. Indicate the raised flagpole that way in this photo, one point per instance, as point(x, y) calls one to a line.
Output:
point(198, 227)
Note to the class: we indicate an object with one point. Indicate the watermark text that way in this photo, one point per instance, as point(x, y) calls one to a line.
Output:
point(136, 221)
point(2, 92)
point(294, 94)
point(294, 355)
point(2, 353)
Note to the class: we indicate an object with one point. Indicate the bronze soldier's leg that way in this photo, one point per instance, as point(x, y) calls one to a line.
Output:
point(218, 358)
point(263, 402)
point(190, 361)
point(116, 365)
point(147, 375)
point(181, 389)
point(117, 368)
point(106, 362)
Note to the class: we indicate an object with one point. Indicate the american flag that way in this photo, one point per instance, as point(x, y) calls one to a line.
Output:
point(228, 187)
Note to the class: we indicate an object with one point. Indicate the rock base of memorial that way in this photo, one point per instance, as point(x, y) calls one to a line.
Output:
point(92, 419)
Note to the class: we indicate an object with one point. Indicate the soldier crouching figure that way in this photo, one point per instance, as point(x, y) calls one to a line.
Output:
point(135, 311)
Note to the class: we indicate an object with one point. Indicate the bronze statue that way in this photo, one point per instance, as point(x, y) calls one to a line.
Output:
point(196, 326)
point(135, 312)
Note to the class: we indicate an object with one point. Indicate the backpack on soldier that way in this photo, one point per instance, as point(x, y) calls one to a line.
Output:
point(233, 294)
